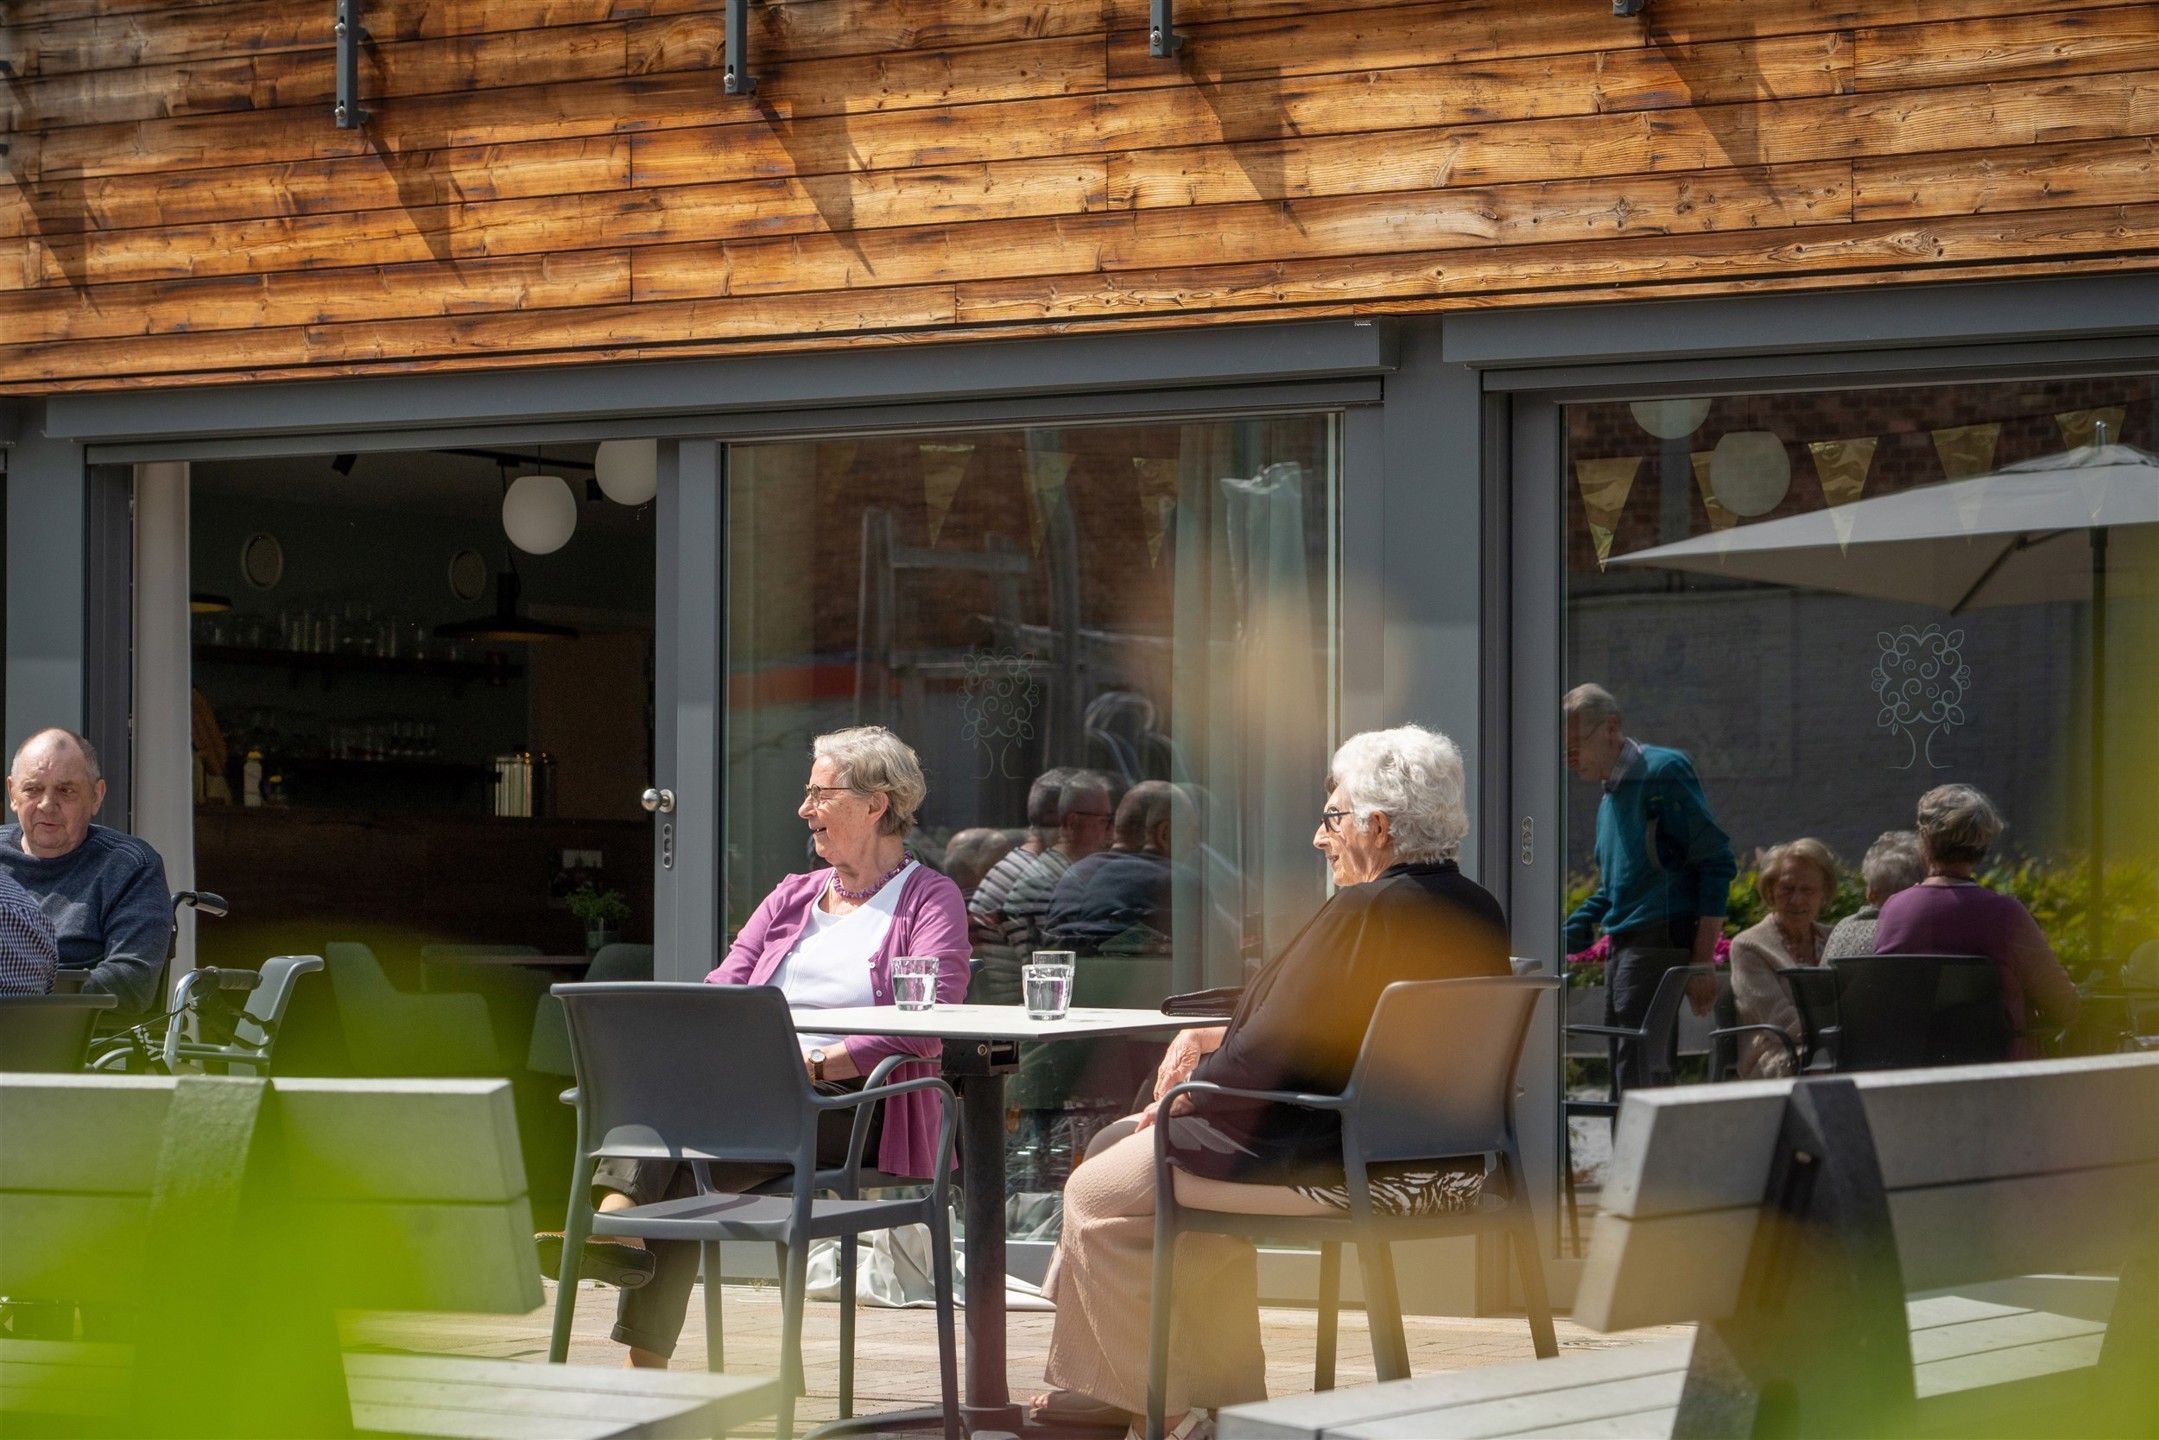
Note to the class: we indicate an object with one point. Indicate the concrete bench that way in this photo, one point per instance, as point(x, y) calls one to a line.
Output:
point(210, 1228)
point(1792, 1221)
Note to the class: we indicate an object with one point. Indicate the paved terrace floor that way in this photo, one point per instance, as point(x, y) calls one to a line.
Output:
point(896, 1350)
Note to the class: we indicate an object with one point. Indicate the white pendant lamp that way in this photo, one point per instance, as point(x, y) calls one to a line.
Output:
point(1670, 419)
point(1750, 472)
point(628, 470)
point(539, 513)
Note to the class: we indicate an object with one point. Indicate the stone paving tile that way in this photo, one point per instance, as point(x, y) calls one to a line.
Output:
point(896, 1350)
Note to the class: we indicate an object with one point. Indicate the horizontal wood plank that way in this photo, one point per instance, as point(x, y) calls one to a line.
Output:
point(2016, 46)
point(2091, 172)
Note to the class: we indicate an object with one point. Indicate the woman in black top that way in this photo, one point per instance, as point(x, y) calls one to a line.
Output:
point(1394, 821)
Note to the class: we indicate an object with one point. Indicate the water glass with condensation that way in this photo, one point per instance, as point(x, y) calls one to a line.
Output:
point(914, 982)
point(1046, 984)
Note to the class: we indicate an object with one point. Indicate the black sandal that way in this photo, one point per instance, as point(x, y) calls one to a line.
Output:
point(1071, 1408)
point(626, 1267)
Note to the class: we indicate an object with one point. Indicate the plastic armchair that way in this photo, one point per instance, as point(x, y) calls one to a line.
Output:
point(712, 1074)
point(1433, 1081)
point(395, 1032)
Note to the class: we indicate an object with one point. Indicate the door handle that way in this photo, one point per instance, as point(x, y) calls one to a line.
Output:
point(660, 802)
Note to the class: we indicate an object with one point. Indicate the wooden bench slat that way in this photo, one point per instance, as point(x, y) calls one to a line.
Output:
point(1707, 1147)
point(1635, 1426)
point(448, 1396)
point(1573, 1409)
point(1672, 1269)
point(406, 1255)
point(379, 1139)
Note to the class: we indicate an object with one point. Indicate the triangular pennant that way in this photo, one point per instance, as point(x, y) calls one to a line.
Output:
point(1842, 467)
point(943, 467)
point(1967, 450)
point(1719, 517)
point(1605, 485)
point(1046, 471)
point(2081, 427)
point(1165, 515)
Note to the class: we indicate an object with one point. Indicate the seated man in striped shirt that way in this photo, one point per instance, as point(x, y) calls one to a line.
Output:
point(29, 951)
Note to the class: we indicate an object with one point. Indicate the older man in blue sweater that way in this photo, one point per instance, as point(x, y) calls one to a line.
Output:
point(1664, 865)
point(102, 889)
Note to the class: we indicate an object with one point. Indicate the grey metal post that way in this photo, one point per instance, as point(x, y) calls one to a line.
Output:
point(48, 519)
point(688, 712)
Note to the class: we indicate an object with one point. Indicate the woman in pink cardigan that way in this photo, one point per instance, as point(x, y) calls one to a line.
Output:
point(827, 939)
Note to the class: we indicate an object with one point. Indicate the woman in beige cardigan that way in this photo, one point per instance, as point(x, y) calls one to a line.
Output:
point(1797, 879)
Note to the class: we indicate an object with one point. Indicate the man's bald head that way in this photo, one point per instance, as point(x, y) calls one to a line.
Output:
point(55, 786)
point(55, 735)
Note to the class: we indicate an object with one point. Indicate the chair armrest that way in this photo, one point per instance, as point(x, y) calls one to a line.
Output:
point(1279, 1097)
point(858, 1134)
point(1614, 1032)
point(869, 1094)
point(1791, 1046)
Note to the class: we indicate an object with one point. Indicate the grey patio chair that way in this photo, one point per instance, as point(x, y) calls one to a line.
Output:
point(48, 1034)
point(1434, 1081)
point(1897, 1012)
point(398, 1032)
point(712, 1074)
point(548, 1052)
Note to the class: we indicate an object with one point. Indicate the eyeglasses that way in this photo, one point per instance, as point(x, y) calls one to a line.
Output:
point(1331, 820)
point(815, 794)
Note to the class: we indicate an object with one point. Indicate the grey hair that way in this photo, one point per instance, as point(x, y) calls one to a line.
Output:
point(82, 745)
point(1415, 777)
point(1958, 824)
point(1892, 863)
point(874, 761)
point(1589, 706)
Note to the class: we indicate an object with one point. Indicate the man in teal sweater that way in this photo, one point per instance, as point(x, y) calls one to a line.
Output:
point(1664, 865)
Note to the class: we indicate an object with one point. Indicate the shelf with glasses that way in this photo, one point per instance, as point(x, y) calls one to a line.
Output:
point(337, 662)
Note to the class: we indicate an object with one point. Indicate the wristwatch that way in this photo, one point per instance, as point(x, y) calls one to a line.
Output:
point(817, 1066)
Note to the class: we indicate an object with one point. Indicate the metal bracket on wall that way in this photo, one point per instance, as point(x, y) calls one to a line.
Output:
point(7, 71)
point(349, 112)
point(1163, 41)
point(737, 73)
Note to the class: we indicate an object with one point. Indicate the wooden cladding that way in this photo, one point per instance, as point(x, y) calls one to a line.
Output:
point(544, 180)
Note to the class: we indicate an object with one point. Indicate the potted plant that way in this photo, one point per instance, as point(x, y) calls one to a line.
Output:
point(602, 911)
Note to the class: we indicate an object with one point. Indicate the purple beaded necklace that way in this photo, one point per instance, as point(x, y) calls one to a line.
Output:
point(858, 896)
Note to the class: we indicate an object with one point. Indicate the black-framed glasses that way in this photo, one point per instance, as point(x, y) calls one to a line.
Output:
point(1331, 820)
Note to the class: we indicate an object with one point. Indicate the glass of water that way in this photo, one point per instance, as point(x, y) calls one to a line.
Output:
point(1046, 980)
point(914, 982)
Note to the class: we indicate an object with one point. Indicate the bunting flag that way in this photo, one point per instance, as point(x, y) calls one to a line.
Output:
point(1046, 471)
point(2081, 427)
point(1842, 466)
point(943, 467)
point(1157, 485)
point(1605, 485)
point(1967, 452)
point(1164, 509)
point(1719, 517)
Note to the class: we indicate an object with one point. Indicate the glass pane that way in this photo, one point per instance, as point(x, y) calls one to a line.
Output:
point(1112, 647)
point(1810, 610)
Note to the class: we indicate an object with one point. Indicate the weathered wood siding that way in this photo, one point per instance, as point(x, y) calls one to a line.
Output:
point(546, 180)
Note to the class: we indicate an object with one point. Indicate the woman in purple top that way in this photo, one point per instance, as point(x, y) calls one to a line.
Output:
point(1950, 913)
point(827, 939)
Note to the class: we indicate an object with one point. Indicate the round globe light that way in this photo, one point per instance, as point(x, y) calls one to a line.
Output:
point(628, 470)
point(1750, 472)
point(1670, 419)
point(539, 513)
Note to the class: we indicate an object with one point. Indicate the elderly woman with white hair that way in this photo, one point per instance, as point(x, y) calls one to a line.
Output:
point(1392, 826)
point(827, 938)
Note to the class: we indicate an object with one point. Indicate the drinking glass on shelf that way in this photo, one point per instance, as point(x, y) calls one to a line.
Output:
point(1046, 984)
point(914, 982)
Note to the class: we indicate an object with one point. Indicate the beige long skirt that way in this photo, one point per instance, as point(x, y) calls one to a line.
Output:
point(1102, 1278)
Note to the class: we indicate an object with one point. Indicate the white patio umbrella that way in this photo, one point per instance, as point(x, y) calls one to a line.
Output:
point(2029, 532)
